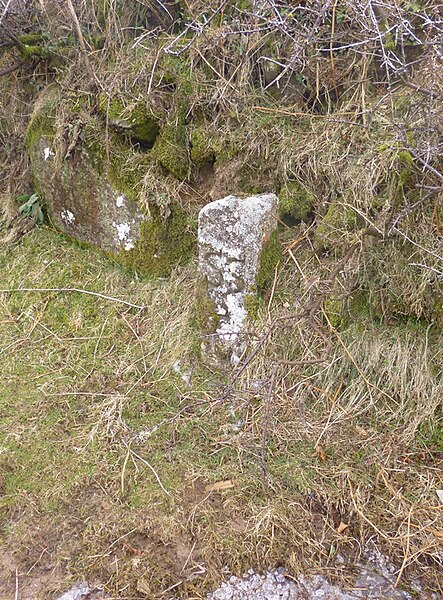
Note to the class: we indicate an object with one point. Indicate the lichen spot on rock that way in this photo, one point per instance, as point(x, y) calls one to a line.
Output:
point(47, 153)
point(67, 217)
point(231, 235)
point(124, 232)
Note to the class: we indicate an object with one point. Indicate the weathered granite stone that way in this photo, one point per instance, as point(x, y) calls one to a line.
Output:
point(82, 202)
point(232, 233)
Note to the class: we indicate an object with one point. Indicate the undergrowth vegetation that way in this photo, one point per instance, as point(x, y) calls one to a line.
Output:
point(123, 458)
point(111, 433)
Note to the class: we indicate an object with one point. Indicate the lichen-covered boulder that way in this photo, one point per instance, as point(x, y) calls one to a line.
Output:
point(232, 235)
point(79, 196)
point(82, 203)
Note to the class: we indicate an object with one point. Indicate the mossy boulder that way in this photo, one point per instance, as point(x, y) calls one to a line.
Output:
point(136, 121)
point(163, 244)
point(337, 223)
point(296, 201)
point(81, 202)
point(79, 198)
point(171, 147)
point(201, 147)
point(93, 195)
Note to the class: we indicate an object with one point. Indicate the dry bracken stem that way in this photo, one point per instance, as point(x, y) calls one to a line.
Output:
point(81, 40)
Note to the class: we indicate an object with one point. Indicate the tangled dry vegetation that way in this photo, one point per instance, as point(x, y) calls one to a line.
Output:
point(328, 438)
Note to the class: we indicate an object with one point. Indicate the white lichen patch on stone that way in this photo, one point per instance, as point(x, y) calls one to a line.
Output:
point(231, 236)
point(124, 232)
point(67, 216)
point(47, 153)
point(120, 201)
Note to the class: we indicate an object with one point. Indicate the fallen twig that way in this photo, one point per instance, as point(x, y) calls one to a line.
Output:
point(77, 290)
point(145, 462)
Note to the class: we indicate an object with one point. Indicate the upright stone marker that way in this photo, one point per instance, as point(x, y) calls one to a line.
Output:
point(232, 233)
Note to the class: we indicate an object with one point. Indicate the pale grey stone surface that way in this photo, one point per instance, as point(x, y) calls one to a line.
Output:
point(375, 578)
point(231, 235)
point(83, 591)
point(273, 585)
point(78, 592)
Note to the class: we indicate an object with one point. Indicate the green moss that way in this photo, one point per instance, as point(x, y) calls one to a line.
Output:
point(390, 42)
point(202, 150)
point(269, 259)
point(163, 243)
point(177, 71)
point(42, 123)
point(333, 308)
point(35, 51)
point(126, 168)
point(406, 173)
point(38, 45)
point(204, 317)
point(171, 147)
point(252, 305)
point(404, 157)
point(138, 121)
point(296, 201)
point(31, 39)
point(112, 107)
point(339, 219)
point(225, 150)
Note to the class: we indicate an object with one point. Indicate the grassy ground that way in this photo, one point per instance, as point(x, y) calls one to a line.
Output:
point(111, 432)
